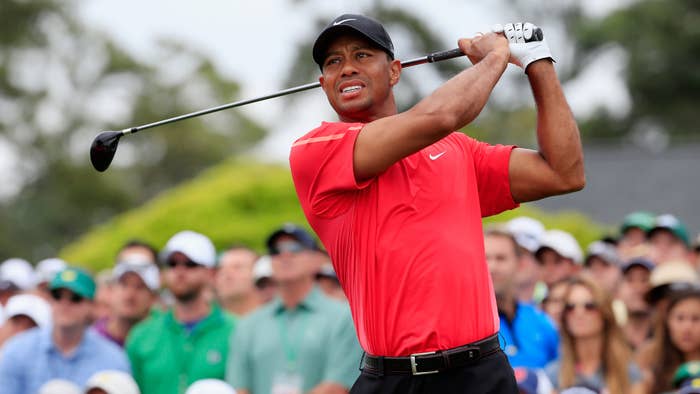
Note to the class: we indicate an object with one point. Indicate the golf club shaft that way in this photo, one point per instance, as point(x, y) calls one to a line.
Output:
point(430, 58)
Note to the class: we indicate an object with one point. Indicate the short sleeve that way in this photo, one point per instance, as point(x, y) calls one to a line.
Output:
point(492, 175)
point(322, 168)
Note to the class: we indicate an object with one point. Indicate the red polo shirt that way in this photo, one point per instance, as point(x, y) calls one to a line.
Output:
point(407, 245)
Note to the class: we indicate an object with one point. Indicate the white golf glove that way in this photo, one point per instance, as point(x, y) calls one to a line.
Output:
point(526, 42)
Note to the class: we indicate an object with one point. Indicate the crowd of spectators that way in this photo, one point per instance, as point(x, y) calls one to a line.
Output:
point(621, 315)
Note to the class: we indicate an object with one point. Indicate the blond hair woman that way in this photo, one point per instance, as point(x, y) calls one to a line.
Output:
point(593, 350)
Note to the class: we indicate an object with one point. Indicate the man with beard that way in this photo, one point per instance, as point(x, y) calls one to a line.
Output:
point(189, 341)
point(529, 335)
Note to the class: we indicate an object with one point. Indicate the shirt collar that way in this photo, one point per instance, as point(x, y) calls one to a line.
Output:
point(46, 341)
point(214, 315)
point(310, 302)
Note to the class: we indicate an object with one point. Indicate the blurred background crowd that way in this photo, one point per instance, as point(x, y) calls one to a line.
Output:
point(621, 315)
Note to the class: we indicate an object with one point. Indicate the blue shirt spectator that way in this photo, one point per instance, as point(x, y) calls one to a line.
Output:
point(530, 339)
point(31, 359)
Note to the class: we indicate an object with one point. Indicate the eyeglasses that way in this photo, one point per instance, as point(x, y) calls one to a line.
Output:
point(287, 247)
point(58, 295)
point(189, 264)
point(588, 306)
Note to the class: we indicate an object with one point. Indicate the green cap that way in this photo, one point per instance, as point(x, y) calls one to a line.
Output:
point(689, 370)
point(672, 224)
point(641, 219)
point(75, 280)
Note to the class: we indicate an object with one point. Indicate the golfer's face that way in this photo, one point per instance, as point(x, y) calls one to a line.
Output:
point(357, 78)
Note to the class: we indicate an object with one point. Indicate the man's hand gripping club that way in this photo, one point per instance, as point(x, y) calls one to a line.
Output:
point(526, 42)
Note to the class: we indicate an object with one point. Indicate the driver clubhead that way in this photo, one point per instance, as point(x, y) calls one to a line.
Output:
point(103, 149)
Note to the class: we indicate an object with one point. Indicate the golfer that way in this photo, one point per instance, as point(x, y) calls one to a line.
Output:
point(397, 200)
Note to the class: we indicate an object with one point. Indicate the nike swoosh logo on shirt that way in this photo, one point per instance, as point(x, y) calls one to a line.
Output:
point(436, 156)
point(343, 21)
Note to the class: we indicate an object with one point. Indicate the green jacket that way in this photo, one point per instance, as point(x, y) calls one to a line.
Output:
point(166, 358)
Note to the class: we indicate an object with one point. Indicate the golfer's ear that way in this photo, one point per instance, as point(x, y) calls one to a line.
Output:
point(395, 72)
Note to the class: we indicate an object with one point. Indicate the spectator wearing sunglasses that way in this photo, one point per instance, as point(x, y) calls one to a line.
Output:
point(302, 341)
point(593, 351)
point(189, 341)
point(68, 349)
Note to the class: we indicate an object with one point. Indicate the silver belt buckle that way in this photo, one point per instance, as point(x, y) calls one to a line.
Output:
point(414, 365)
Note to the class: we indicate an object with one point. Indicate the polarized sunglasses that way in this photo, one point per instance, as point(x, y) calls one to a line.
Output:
point(189, 264)
point(287, 247)
point(74, 298)
point(588, 306)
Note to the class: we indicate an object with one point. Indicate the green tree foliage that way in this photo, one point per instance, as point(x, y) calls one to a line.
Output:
point(240, 202)
point(661, 39)
point(231, 203)
point(60, 84)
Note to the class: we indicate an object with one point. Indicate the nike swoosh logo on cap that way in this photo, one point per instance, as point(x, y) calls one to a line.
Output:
point(343, 21)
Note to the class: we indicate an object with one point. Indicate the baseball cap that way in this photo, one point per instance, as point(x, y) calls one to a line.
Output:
point(113, 382)
point(75, 280)
point(669, 277)
point(638, 262)
point(210, 386)
point(687, 377)
point(59, 386)
point(563, 243)
point(30, 305)
point(148, 273)
point(16, 273)
point(197, 247)
point(527, 232)
point(604, 251)
point(262, 268)
point(349, 23)
point(46, 269)
point(295, 232)
point(672, 224)
point(641, 219)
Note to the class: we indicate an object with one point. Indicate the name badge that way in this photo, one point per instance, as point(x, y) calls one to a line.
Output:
point(287, 383)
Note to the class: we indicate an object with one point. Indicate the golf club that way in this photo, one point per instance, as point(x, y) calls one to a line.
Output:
point(104, 146)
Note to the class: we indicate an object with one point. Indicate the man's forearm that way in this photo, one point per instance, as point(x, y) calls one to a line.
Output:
point(461, 99)
point(557, 133)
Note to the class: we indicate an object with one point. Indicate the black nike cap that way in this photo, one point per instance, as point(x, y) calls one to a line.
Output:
point(352, 23)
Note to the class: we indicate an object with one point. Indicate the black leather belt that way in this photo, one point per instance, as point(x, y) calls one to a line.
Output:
point(431, 362)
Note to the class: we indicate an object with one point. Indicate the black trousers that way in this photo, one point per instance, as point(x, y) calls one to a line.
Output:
point(490, 375)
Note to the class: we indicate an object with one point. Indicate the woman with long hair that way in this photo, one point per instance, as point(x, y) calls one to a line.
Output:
point(677, 339)
point(593, 350)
